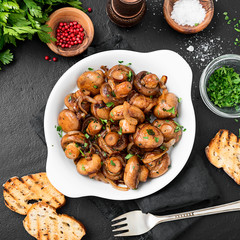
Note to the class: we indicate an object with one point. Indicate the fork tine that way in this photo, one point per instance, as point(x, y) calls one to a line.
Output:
point(125, 234)
point(119, 223)
point(123, 228)
point(119, 217)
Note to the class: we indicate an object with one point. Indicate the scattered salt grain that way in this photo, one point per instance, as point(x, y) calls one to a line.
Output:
point(188, 12)
point(190, 48)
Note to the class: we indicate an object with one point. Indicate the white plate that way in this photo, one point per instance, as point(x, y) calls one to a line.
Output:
point(62, 172)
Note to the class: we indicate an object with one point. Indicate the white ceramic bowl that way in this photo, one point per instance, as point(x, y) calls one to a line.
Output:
point(62, 171)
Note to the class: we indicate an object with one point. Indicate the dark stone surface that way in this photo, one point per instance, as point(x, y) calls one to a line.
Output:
point(27, 82)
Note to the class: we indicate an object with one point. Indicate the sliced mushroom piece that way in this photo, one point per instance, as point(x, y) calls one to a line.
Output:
point(147, 84)
point(99, 109)
point(113, 168)
point(144, 172)
point(94, 127)
point(72, 151)
point(89, 166)
point(134, 112)
point(170, 129)
point(71, 102)
point(132, 172)
point(147, 136)
point(112, 138)
point(126, 126)
point(158, 167)
point(68, 121)
point(167, 106)
point(121, 73)
point(91, 81)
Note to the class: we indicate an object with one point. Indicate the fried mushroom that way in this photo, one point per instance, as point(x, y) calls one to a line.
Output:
point(121, 73)
point(132, 172)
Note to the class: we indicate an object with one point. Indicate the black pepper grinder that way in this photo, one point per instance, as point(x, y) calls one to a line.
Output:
point(126, 13)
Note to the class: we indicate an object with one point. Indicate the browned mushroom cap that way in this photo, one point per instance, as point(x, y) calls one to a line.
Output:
point(134, 112)
point(143, 174)
point(121, 73)
point(72, 150)
point(143, 102)
point(68, 121)
point(99, 109)
point(159, 166)
point(132, 172)
point(90, 165)
point(126, 126)
point(112, 168)
point(167, 106)
point(112, 138)
point(91, 81)
point(94, 127)
point(74, 137)
point(169, 128)
point(147, 84)
point(123, 89)
point(147, 136)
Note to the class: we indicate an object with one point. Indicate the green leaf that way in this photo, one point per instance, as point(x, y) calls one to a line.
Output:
point(4, 17)
point(129, 156)
point(6, 57)
point(34, 9)
point(10, 5)
point(44, 35)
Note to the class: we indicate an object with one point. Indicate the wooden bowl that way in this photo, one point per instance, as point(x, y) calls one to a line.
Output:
point(167, 10)
point(69, 14)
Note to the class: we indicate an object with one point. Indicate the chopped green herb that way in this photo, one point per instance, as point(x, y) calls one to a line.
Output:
point(150, 132)
point(104, 154)
point(87, 136)
point(83, 168)
point(99, 135)
point(110, 104)
point(145, 137)
point(104, 121)
point(156, 139)
point(133, 167)
point(236, 120)
point(113, 94)
point(70, 98)
point(224, 87)
point(179, 100)
point(129, 64)
point(85, 145)
point(120, 131)
point(111, 114)
point(108, 95)
point(163, 148)
point(95, 86)
point(101, 163)
point(70, 153)
point(59, 130)
point(120, 62)
point(196, 24)
point(225, 13)
point(227, 18)
point(178, 127)
point(171, 110)
point(129, 76)
point(90, 69)
point(129, 156)
point(151, 97)
point(112, 163)
point(111, 120)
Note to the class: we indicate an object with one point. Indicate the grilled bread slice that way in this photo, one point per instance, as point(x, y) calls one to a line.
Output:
point(20, 193)
point(42, 222)
point(224, 152)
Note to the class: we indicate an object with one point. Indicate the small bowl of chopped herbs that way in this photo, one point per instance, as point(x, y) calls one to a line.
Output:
point(220, 86)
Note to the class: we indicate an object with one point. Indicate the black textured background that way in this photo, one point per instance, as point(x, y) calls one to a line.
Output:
point(26, 84)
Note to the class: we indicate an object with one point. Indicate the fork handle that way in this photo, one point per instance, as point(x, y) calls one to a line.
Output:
point(229, 207)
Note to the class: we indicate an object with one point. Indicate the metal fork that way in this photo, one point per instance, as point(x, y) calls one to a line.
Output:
point(136, 223)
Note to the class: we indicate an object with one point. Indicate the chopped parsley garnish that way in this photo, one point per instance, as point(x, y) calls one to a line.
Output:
point(59, 130)
point(95, 86)
point(224, 87)
point(145, 137)
point(85, 144)
point(236, 120)
point(86, 135)
point(129, 76)
point(178, 127)
point(150, 132)
point(171, 110)
point(120, 131)
point(196, 24)
point(163, 148)
point(112, 163)
point(110, 104)
point(133, 167)
point(104, 154)
point(151, 97)
point(108, 95)
point(120, 62)
point(83, 168)
point(129, 156)
point(129, 64)
point(179, 100)
point(103, 121)
point(156, 139)
point(113, 94)
point(70, 98)
point(111, 120)
point(111, 114)
point(90, 69)
point(70, 153)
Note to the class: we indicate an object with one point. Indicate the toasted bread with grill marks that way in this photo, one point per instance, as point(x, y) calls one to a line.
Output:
point(224, 152)
point(20, 193)
point(42, 222)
